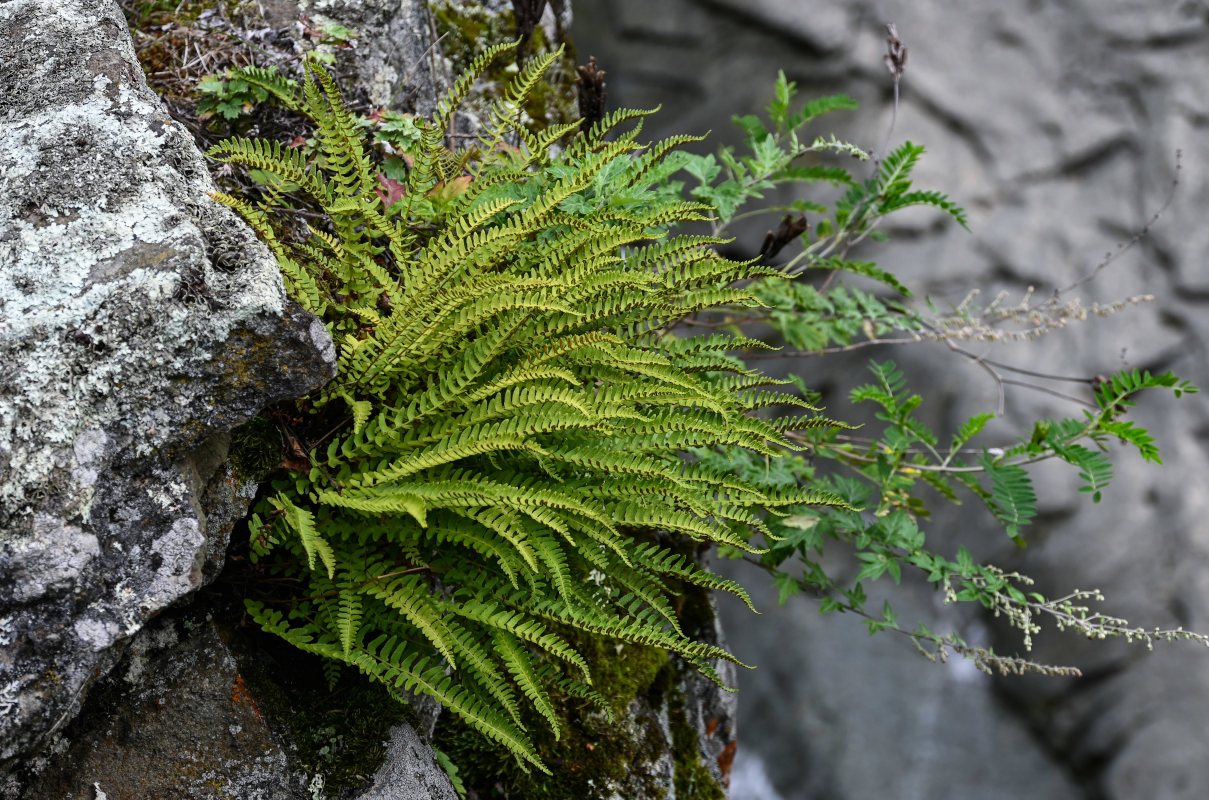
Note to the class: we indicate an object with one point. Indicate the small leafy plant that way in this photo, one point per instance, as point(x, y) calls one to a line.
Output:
point(232, 95)
point(879, 476)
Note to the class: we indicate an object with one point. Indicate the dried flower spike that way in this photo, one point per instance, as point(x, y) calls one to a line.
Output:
point(896, 52)
point(592, 93)
point(786, 232)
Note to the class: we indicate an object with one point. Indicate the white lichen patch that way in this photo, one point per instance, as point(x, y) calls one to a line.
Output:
point(182, 550)
point(70, 271)
point(52, 559)
point(98, 633)
point(138, 318)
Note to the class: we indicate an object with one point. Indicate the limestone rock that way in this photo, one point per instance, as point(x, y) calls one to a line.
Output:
point(139, 321)
point(410, 771)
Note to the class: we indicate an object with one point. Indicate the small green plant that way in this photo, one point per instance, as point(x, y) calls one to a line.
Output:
point(879, 475)
point(235, 94)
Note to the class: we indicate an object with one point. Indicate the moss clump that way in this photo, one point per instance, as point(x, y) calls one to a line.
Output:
point(339, 731)
point(343, 734)
point(467, 30)
point(256, 448)
point(693, 780)
point(595, 757)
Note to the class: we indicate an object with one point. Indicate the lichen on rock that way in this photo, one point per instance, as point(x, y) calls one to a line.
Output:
point(139, 320)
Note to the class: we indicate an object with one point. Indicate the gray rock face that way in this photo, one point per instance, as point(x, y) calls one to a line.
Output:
point(139, 320)
point(394, 58)
point(410, 771)
point(194, 711)
point(1056, 126)
point(179, 721)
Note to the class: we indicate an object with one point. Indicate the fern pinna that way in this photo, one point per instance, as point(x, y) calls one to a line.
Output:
point(502, 451)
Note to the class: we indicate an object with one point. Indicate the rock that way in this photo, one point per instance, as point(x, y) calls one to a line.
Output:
point(815, 707)
point(1057, 126)
point(175, 719)
point(394, 57)
point(410, 771)
point(139, 321)
point(197, 710)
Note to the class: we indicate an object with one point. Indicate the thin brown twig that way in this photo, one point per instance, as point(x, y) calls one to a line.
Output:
point(1127, 245)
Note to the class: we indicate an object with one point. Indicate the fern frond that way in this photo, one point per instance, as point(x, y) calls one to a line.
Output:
point(302, 522)
point(521, 626)
point(287, 164)
point(349, 620)
point(820, 106)
point(511, 424)
point(925, 198)
point(1013, 501)
point(520, 666)
point(1094, 467)
point(284, 89)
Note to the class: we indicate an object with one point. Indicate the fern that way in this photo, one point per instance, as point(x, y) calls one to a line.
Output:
point(507, 431)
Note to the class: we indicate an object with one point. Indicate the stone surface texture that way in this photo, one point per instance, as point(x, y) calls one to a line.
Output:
point(179, 721)
point(410, 771)
point(393, 56)
point(139, 321)
point(1056, 125)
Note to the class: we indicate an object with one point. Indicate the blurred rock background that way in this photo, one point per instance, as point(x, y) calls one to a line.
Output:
point(1057, 126)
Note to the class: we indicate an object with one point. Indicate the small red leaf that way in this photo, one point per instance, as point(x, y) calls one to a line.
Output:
point(391, 192)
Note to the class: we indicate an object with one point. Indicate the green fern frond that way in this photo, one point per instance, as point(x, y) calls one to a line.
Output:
point(894, 175)
point(350, 618)
point(521, 667)
point(302, 522)
point(1094, 467)
point(925, 198)
point(1013, 501)
point(282, 88)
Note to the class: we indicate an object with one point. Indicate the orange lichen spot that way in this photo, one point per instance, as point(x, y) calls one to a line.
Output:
point(241, 696)
point(710, 727)
point(726, 760)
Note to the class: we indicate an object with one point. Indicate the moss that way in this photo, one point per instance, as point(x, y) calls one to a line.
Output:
point(340, 732)
point(256, 448)
point(343, 734)
point(469, 29)
point(693, 780)
point(596, 757)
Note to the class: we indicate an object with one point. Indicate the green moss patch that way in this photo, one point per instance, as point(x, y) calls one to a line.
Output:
point(595, 756)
